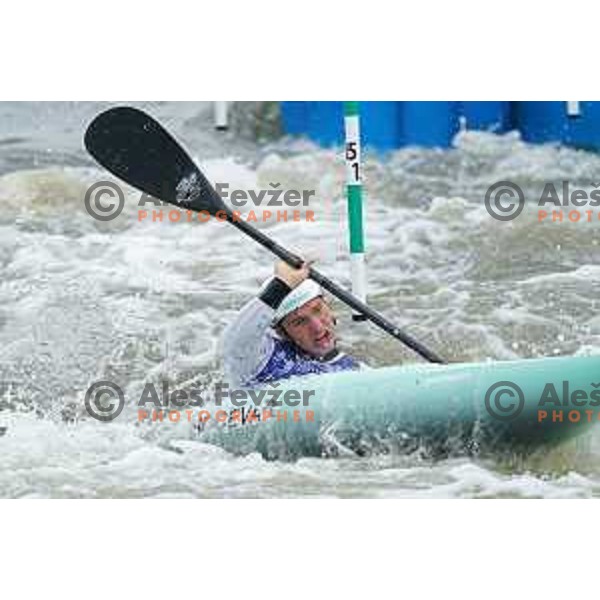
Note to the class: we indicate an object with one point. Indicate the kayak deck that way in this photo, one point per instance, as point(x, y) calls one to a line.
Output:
point(456, 409)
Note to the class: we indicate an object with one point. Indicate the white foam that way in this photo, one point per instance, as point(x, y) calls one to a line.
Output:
point(137, 300)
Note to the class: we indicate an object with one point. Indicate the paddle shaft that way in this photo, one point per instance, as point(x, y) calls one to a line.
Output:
point(136, 148)
point(334, 289)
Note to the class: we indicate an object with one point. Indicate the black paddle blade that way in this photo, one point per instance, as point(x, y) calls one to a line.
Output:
point(137, 149)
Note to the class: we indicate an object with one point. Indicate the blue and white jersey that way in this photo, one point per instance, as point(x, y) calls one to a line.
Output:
point(254, 354)
point(287, 360)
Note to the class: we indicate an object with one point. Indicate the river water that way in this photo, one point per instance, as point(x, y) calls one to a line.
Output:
point(136, 301)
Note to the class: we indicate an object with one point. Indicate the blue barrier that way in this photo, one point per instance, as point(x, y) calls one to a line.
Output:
point(294, 117)
point(554, 122)
point(491, 116)
point(390, 125)
point(323, 122)
point(380, 124)
point(326, 123)
point(429, 124)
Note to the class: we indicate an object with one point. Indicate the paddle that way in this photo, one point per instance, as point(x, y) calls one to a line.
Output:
point(134, 147)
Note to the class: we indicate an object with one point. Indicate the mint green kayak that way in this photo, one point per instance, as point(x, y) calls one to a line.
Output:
point(478, 408)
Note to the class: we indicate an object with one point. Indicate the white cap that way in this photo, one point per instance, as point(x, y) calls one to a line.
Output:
point(305, 292)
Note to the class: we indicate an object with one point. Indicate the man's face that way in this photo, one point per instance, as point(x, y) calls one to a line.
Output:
point(312, 327)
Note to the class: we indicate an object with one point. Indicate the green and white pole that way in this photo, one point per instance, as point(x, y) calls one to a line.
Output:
point(355, 209)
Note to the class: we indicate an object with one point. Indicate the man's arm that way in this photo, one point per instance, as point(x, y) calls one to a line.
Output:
point(248, 342)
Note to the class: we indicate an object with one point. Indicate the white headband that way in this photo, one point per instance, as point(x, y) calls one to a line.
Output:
point(305, 292)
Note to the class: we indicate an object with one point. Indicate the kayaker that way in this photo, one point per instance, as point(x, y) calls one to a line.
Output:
point(287, 330)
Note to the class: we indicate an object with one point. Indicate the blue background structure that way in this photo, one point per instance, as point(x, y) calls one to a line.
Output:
point(390, 125)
